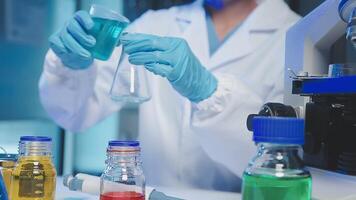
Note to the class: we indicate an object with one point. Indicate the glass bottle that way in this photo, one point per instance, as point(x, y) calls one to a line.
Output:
point(123, 178)
point(34, 176)
point(7, 164)
point(3, 192)
point(277, 171)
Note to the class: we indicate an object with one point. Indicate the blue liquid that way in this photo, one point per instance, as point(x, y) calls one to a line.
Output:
point(107, 33)
point(3, 193)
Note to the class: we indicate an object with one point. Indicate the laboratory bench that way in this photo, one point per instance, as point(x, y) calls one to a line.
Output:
point(64, 193)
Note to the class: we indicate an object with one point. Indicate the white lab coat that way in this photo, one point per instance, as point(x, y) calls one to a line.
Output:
point(203, 145)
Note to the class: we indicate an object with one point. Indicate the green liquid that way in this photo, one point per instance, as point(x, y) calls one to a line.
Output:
point(106, 33)
point(273, 188)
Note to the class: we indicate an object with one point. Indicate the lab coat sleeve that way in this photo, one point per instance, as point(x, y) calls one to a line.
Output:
point(220, 123)
point(77, 99)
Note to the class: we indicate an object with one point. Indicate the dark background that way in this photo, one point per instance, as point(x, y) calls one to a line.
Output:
point(134, 8)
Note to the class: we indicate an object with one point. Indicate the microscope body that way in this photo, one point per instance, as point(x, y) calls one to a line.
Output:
point(322, 89)
point(326, 90)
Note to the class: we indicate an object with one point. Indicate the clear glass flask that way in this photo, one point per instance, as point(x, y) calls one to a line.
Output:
point(123, 178)
point(130, 83)
point(277, 171)
point(34, 176)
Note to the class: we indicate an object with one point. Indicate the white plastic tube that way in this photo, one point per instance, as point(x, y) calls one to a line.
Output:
point(91, 184)
point(83, 183)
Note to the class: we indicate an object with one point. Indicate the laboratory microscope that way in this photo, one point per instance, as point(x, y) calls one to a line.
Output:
point(320, 86)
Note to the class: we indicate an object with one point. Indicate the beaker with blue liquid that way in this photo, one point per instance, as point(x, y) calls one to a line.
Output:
point(108, 26)
point(129, 84)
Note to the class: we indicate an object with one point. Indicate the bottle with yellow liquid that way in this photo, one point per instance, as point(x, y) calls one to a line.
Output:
point(34, 177)
point(7, 164)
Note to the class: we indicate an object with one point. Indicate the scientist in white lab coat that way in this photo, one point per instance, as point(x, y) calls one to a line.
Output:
point(209, 64)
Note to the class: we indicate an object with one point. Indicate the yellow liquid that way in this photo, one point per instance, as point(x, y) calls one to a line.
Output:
point(34, 178)
point(7, 167)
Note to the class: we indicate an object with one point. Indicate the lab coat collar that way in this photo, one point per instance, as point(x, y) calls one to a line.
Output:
point(191, 19)
point(266, 18)
point(269, 15)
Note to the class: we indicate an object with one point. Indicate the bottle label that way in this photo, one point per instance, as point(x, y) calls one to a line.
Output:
point(31, 183)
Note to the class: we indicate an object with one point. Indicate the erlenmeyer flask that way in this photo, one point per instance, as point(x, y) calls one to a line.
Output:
point(130, 84)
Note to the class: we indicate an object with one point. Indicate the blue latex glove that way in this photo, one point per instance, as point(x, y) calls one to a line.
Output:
point(171, 58)
point(71, 42)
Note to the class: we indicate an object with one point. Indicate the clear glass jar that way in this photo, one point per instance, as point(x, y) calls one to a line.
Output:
point(34, 176)
point(123, 177)
point(277, 171)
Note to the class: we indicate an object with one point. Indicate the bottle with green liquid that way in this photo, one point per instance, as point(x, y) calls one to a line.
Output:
point(277, 171)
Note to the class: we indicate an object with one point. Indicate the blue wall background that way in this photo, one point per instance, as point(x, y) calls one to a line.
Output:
point(21, 112)
point(20, 69)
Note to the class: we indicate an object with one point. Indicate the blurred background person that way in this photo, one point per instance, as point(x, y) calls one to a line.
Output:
point(217, 61)
point(25, 26)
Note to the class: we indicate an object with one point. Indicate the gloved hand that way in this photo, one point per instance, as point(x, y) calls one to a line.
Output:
point(171, 58)
point(70, 43)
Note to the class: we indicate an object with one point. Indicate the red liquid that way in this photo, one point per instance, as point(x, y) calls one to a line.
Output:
point(122, 196)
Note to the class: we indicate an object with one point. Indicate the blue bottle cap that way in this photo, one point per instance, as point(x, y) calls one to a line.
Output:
point(218, 5)
point(279, 130)
point(345, 9)
point(122, 143)
point(35, 139)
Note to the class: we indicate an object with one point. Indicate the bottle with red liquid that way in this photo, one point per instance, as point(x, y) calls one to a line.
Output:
point(123, 178)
